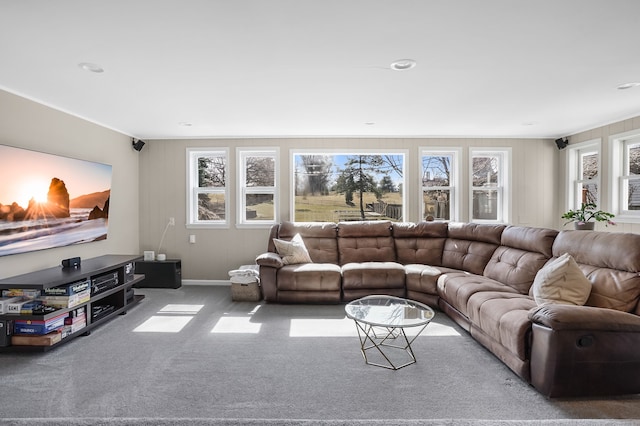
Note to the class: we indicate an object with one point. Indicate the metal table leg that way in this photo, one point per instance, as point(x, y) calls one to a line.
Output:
point(389, 337)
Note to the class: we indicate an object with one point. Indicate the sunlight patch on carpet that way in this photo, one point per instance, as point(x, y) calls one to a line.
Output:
point(435, 329)
point(163, 324)
point(180, 309)
point(345, 327)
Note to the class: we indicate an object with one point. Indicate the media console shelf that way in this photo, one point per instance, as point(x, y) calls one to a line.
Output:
point(116, 299)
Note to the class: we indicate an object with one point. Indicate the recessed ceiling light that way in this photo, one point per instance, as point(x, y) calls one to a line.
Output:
point(628, 85)
point(370, 123)
point(185, 124)
point(87, 66)
point(403, 64)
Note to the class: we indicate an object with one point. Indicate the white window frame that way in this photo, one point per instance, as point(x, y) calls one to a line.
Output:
point(193, 190)
point(242, 153)
point(575, 181)
point(454, 179)
point(330, 151)
point(503, 186)
point(617, 164)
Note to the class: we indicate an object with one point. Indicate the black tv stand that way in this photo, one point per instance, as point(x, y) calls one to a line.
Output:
point(107, 303)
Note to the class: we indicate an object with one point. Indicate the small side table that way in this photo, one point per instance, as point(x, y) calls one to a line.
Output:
point(381, 322)
point(160, 273)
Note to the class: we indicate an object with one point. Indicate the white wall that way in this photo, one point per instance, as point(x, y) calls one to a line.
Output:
point(163, 193)
point(29, 125)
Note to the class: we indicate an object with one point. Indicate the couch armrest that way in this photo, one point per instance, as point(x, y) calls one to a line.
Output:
point(269, 263)
point(584, 351)
point(270, 259)
point(570, 317)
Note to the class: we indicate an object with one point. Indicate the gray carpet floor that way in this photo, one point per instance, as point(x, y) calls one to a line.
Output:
point(193, 356)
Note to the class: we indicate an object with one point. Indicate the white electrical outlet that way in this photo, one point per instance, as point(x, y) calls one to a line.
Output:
point(192, 239)
point(172, 221)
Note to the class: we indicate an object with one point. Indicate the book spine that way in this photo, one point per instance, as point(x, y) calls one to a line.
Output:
point(68, 290)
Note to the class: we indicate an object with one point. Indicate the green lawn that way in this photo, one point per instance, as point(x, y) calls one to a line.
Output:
point(327, 208)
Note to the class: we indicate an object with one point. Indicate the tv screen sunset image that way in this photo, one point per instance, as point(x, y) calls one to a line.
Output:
point(51, 201)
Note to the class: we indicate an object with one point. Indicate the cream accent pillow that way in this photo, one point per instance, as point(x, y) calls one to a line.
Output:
point(293, 251)
point(561, 281)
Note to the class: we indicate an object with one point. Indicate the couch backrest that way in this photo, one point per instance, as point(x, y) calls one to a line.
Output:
point(469, 246)
point(318, 237)
point(523, 251)
point(611, 261)
point(365, 241)
point(421, 242)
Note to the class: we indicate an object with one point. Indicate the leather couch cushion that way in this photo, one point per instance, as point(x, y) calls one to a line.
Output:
point(365, 242)
point(612, 268)
point(504, 317)
point(476, 232)
point(465, 255)
point(309, 277)
point(602, 249)
point(378, 228)
point(470, 246)
point(420, 242)
point(514, 267)
point(561, 281)
point(522, 253)
point(457, 287)
point(372, 275)
point(538, 240)
point(319, 238)
point(422, 278)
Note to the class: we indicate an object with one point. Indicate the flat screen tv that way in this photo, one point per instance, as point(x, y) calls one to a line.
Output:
point(49, 201)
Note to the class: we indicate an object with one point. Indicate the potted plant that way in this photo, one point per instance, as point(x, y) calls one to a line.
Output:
point(587, 215)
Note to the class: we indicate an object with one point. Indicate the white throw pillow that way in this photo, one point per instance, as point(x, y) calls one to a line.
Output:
point(293, 251)
point(561, 281)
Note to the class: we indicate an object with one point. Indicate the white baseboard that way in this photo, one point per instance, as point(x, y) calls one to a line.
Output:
point(206, 282)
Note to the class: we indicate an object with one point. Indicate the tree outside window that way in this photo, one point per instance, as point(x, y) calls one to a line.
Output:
point(437, 185)
point(631, 176)
point(488, 184)
point(257, 178)
point(208, 195)
point(589, 164)
point(338, 187)
point(583, 164)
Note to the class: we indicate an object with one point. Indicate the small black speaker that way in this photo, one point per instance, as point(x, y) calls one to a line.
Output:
point(72, 262)
point(562, 143)
point(137, 144)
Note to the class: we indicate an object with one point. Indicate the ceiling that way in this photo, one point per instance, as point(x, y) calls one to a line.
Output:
point(280, 68)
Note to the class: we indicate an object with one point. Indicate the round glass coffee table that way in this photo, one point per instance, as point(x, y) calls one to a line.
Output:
point(381, 322)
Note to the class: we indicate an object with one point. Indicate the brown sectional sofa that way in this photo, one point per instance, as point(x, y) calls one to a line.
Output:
point(481, 276)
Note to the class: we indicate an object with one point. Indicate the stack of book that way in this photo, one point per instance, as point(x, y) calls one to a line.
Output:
point(67, 296)
point(50, 328)
point(76, 321)
point(29, 326)
point(14, 299)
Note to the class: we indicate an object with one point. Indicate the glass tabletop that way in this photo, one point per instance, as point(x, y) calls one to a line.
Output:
point(389, 311)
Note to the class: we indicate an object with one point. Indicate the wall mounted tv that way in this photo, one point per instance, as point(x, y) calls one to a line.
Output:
point(51, 201)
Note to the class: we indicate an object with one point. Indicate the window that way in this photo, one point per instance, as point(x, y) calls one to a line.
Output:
point(336, 186)
point(584, 171)
point(439, 177)
point(489, 184)
point(207, 191)
point(631, 175)
point(625, 170)
point(257, 182)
